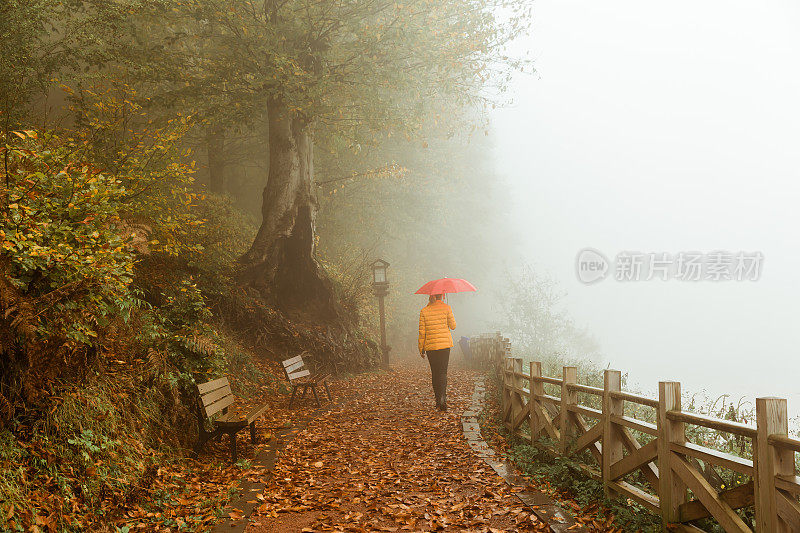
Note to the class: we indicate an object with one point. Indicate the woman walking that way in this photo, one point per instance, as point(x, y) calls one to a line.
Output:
point(435, 322)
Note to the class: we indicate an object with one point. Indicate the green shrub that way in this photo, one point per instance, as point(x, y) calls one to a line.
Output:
point(567, 475)
point(111, 329)
point(62, 241)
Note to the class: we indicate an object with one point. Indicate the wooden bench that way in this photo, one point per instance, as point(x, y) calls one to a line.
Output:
point(216, 398)
point(300, 377)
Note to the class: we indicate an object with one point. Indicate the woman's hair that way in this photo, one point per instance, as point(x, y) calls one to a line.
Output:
point(433, 297)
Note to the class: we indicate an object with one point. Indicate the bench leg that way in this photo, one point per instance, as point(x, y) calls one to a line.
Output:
point(327, 390)
point(253, 432)
point(234, 455)
point(305, 390)
point(205, 436)
point(291, 400)
point(316, 396)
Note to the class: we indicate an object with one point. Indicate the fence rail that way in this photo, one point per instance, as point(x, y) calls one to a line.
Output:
point(674, 477)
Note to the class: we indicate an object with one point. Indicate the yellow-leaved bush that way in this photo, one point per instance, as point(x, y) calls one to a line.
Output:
point(64, 246)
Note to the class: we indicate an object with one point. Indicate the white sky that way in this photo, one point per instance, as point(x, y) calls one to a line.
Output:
point(666, 126)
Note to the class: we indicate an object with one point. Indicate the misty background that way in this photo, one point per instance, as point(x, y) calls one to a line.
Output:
point(663, 128)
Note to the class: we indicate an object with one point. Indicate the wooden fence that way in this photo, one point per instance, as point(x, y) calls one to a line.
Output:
point(673, 476)
point(489, 350)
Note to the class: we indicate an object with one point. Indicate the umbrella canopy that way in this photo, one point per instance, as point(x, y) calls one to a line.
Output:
point(446, 285)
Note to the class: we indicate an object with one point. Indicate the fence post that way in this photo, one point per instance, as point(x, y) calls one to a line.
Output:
point(568, 397)
point(536, 388)
point(506, 346)
point(671, 490)
point(769, 461)
point(516, 396)
point(505, 366)
point(612, 445)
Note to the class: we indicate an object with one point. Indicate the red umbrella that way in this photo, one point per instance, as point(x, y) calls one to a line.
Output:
point(446, 285)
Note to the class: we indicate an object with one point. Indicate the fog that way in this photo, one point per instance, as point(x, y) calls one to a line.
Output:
point(665, 127)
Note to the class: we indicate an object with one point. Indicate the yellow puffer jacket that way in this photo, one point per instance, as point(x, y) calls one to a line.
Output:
point(435, 322)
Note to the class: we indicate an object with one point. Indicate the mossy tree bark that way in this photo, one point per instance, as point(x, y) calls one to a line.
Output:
point(281, 262)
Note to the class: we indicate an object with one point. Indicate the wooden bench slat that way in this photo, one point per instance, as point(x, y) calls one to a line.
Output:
point(295, 359)
point(299, 374)
point(255, 413)
point(213, 396)
point(219, 405)
point(204, 388)
point(234, 418)
point(227, 418)
point(294, 366)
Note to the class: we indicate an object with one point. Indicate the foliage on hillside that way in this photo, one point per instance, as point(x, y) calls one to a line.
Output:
point(67, 265)
point(108, 320)
point(87, 364)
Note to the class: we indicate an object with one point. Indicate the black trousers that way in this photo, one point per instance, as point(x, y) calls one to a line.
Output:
point(438, 360)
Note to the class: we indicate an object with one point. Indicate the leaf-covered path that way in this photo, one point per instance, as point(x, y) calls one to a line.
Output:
point(384, 459)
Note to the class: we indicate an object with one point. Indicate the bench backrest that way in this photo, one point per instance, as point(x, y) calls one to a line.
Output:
point(294, 368)
point(215, 396)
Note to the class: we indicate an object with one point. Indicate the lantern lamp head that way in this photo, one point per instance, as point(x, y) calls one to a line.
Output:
point(379, 273)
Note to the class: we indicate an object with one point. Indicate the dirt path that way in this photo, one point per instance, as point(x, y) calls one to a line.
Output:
point(384, 459)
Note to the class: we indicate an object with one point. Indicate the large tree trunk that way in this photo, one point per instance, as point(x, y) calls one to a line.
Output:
point(215, 146)
point(281, 262)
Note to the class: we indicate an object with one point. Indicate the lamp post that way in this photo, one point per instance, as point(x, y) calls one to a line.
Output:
point(380, 287)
